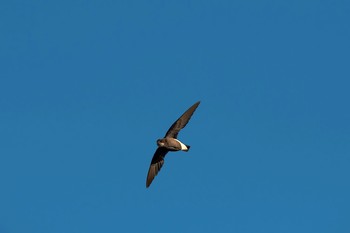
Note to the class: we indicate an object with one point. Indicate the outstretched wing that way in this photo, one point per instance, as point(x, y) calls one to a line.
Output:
point(181, 122)
point(156, 164)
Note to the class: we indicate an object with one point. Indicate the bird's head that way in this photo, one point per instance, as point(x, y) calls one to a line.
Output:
point(160, 142)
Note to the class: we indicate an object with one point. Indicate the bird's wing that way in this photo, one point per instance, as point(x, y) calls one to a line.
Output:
point(181, 122)
point(156, 164)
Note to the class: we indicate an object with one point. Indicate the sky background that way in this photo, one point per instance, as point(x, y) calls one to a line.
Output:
point(87, 87)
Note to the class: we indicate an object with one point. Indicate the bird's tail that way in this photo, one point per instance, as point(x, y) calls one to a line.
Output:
point(188, 148)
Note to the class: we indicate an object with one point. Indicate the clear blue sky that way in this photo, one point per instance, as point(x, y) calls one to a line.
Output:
point(86, 88)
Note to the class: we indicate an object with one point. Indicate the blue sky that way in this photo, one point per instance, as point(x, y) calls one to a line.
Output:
point(86, 88)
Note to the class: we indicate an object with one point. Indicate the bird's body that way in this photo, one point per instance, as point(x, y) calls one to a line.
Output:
point(172, 144)
point(169, 143)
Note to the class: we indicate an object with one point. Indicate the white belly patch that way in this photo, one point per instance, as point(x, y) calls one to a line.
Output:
point(183, 146)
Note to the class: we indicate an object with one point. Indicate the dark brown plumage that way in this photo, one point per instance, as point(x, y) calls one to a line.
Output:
point(169, 143)
point(181, 122)
point(156, 164)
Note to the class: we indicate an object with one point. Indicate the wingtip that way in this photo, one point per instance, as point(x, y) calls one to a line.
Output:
point(197, 103)
point(148, 183)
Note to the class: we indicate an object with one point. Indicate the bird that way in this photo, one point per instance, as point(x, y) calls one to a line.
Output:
point(169, 143)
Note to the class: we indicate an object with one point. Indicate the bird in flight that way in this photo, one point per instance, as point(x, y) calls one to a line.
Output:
point(169, 143)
